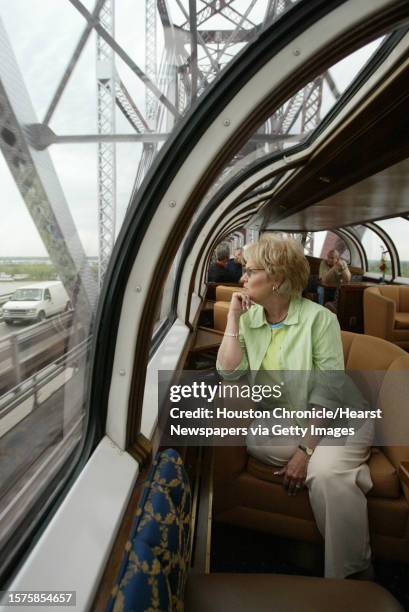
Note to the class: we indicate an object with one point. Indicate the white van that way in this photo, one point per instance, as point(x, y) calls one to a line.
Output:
point(36, 302)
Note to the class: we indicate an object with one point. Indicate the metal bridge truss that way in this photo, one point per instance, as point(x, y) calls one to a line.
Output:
point(200, 38)
point(106, 97)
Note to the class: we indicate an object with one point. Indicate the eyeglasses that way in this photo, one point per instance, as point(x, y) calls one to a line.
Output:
point(250, 271)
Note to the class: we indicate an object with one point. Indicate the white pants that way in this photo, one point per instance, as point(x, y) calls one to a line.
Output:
point(337, 479)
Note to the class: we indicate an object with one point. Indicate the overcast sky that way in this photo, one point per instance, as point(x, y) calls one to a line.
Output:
point(43, 34)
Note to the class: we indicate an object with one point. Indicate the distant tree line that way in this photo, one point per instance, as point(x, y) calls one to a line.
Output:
point(33, 271)
point(373, 266)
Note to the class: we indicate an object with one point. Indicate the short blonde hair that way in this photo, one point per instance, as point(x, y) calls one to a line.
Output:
point(281, 257)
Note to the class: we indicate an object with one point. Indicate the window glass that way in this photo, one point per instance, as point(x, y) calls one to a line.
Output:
point(26, 295)
point(136, 107)
point(299, 116)
point(164, 304)
point(63, 204)
point(398, 229)
point(45, 249)
point(130, 107)
point(163, 307)
point(375, 249)
point(322, 242)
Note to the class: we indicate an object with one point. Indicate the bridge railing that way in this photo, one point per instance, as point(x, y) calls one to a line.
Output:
point(24, 352)
point(33, 385)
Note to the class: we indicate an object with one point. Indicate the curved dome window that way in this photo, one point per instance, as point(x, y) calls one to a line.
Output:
point(326, 241)
point(374, 247)
point(398, 230)
point(291, 124)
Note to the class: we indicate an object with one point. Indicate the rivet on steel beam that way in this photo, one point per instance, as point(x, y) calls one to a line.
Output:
point(226, 122)
point(297, 52)
point(172, 203)
point(138, 288)
point(122, 372)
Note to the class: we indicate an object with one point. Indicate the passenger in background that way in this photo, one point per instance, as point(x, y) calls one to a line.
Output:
point(333, 270)
point(218, 271)
point(235, 265)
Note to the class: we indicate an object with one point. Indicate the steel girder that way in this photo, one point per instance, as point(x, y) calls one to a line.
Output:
point(169, 89)
point(106, 94)
point(38, 183)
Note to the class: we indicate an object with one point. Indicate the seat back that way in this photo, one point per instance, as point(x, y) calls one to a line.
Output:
point(220, 312)
point(391, 292)
point(398, 293)
point(224, 293)
point(403, 299)
point(154, 566)
point(368, 352)
point(381, 369)
point(394, 403)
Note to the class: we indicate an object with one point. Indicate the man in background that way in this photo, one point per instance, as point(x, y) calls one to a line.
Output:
point(218, 271)
point(235, 265)
point(333, 270)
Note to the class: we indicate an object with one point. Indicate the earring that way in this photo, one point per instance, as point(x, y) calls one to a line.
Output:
point(275, 288)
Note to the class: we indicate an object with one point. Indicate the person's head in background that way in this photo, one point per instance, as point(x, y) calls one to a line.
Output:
point(238, 256)
point(332, 257)
point(222, 254)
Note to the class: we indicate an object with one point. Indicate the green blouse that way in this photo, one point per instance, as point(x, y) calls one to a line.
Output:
point(309, 339)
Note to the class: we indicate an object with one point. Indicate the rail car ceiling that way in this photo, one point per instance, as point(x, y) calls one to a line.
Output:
point(360, 174)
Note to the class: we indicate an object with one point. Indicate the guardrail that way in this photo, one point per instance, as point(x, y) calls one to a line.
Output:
point(25, 352)
point(37, 381)
point(42, 415)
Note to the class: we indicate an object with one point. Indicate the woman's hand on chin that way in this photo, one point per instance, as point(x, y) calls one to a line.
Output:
point(240, 302)
point(295, 472)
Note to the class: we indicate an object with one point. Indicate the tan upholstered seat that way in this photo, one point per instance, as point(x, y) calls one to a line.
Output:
point(247, 494)
point(402, 320)
point(386, 313)
point(277, 593)
point(384, 475)
point(224, 293)
point(220, 311)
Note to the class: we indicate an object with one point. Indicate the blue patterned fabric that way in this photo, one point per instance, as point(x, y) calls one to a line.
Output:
point(154, 566)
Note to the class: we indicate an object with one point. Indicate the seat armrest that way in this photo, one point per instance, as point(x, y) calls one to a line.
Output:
point(379, 314)
point(403, 472)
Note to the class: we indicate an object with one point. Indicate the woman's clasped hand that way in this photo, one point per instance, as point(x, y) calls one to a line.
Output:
point(295, 472)
point(240, 302)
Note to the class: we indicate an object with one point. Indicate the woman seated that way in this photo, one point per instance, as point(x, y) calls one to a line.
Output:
point(271, 328)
